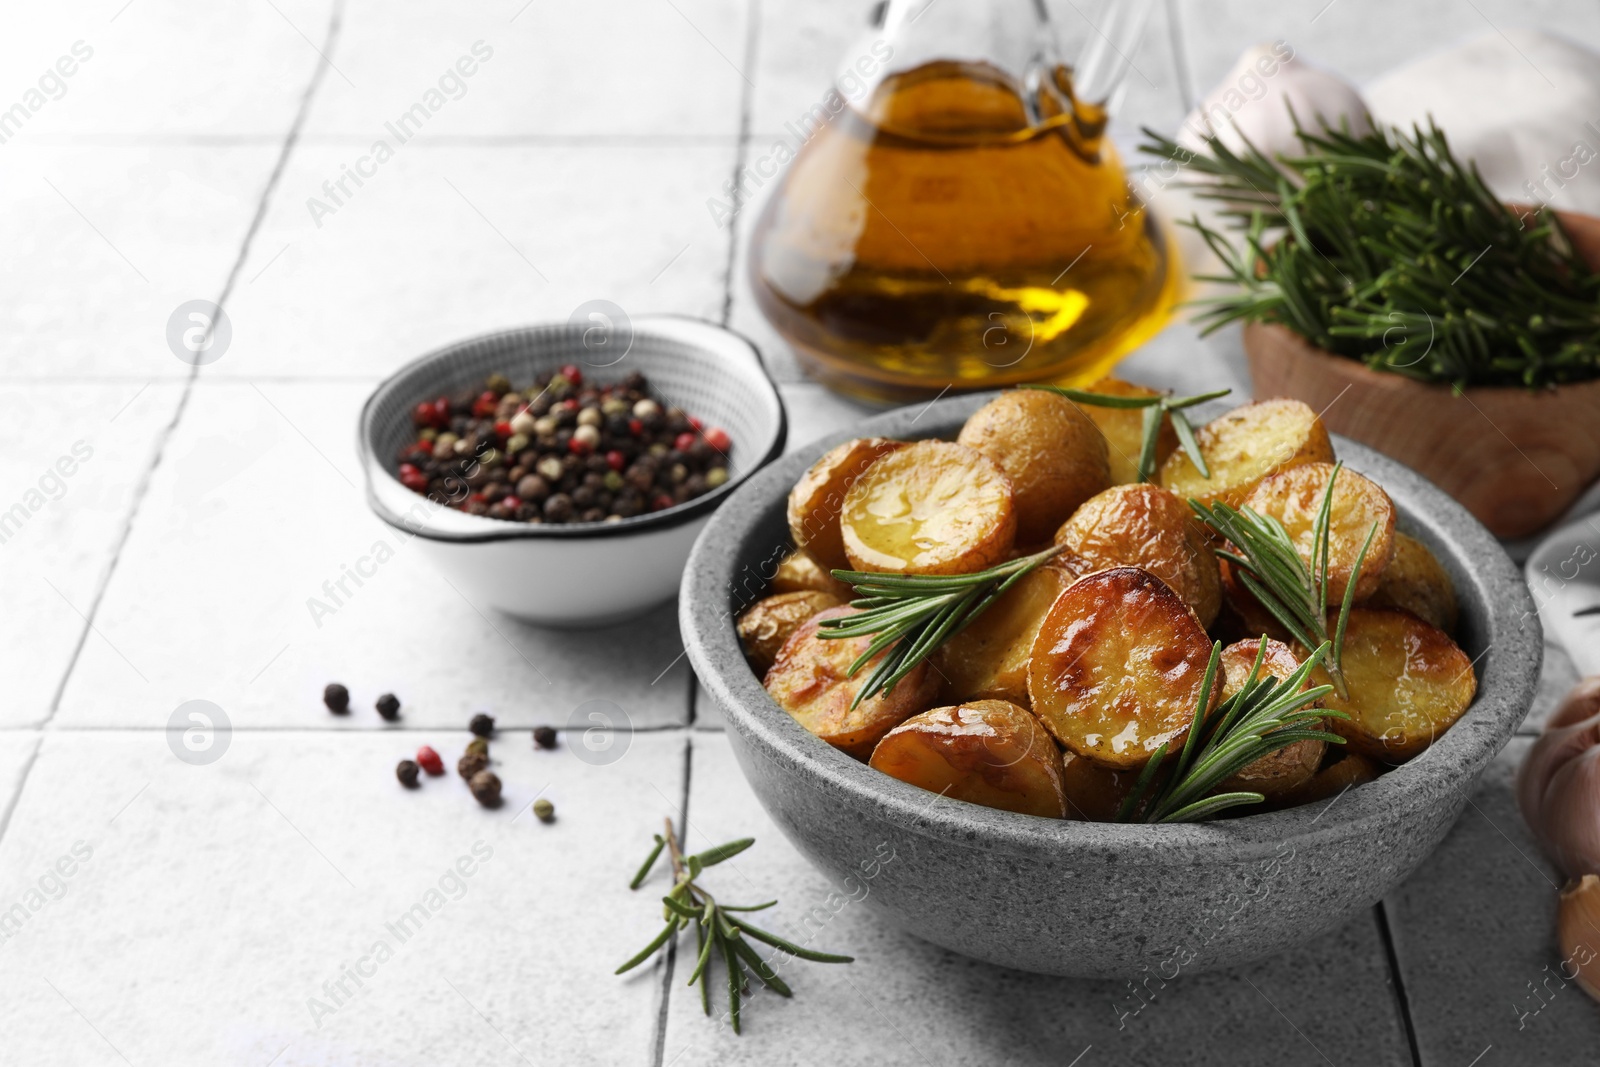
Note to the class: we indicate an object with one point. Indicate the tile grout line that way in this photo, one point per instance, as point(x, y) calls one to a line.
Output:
point(1402, 1001)
point(165, 436)
point(746, 105)
point(672, 949)
point(22, 781)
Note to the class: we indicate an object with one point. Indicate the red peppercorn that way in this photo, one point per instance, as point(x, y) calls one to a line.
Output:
point(511, 503)
point(695, 423)
point(635, 427)
point(484, 407)
point(441, 412)
point(572, 374)
point(616, 460)
point(577, 447)
point(413, 479)
point(502, 429)
point(683, 442)
point(661, 502)
point(429, 760)
point(718, 439)
point(570, 404)
point(422, 414)
point(482, 498)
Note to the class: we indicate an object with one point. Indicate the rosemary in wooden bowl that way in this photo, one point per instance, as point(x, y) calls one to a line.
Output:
point(1381, 246)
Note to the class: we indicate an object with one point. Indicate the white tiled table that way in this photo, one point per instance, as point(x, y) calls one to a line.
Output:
point(212, 911)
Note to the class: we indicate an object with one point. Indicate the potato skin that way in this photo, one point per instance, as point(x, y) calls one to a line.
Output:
point(1292, 766)
point(1294, 498)
point(1415, 581)
point(1118, 666)
point(1246, 445)
point(989, 659)
point(1348, 771)
point(988, 752)
point(1123, 429)
point(1094, 793)
point(1146, 526)
point(1408, 684)
point(808, 680)
point(1051, 451)
point(799, 572)
point(931, 507)
point(768, 623)
point(818, 497)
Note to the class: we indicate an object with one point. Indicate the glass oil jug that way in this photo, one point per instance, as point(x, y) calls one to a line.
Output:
point(956, 218)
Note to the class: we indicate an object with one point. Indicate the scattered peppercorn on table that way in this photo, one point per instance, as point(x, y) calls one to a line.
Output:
point(233, 823)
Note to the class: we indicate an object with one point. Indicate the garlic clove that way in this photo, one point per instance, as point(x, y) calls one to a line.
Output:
point(1580, 704)
point(1253, 102)
point(1570, 815)
point(1578, 933)
point(1554, 748)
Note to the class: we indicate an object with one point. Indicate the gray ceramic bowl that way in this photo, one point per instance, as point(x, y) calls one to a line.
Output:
point(1099, 899)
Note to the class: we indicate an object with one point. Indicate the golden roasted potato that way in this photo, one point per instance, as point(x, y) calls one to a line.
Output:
point(1051, 451)
point(799, 572)
point(929, 508)
point(989, 659)
point(987, 752)
point(808, 680)
point(1408, 684)
point(1094, 793)
point(818, 497)
point(1343, 770)
point(1250, 618)
point(1118, 666)
point(1289, 768)
point(1246, 445)
point(1415, 581)
point(1294, 498)
point(1146, 526)
point(1123, 429)
point(767, 624)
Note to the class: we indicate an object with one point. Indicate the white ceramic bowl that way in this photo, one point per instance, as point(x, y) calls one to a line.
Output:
point(577, 574)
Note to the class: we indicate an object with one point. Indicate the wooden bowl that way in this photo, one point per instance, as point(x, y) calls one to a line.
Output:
point(1516, 458)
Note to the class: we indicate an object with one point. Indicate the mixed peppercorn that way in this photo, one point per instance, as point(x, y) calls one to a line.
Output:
point(561, 450)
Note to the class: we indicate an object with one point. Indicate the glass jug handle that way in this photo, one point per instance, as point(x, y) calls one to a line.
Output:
point(1114, 29)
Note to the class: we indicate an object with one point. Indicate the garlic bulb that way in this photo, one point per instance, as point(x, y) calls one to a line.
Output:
point(1558, 784)
point(1578, 933)
point(1253, 100)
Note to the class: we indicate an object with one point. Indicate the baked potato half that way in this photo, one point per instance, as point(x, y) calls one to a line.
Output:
point(1289, 768)
point(1123, 429)
point(1048, 447)
point(818, 497)
point(1118, 667)
point(1246, 445)
point(931, 507)
point(767, 624)
point(1142, 525)
point(1415, 581)
point(1294, 497)
point(1094, 792)
point(1342, 770)
point(809, 679)
point(988, 752)
point(798, 572)
point(1408, 683)
point(989, 659)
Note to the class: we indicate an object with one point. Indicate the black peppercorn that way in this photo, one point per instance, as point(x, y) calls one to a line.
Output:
point(544, 736)
point(389, 706)
point(406, 771)
point(481, 724)
point(485, 786)
point(471, 764)
point(558, 508)
point(337, 697)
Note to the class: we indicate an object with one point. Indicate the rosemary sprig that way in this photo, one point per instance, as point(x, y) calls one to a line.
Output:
point(1388, 249)
point(720, 932)
point(1155, 407)
point(1271, 569)
point(909, 616)
point(1263, 716)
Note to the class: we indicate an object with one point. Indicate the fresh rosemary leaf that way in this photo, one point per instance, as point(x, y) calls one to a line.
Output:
point(718, 935)
point(1156, 408)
